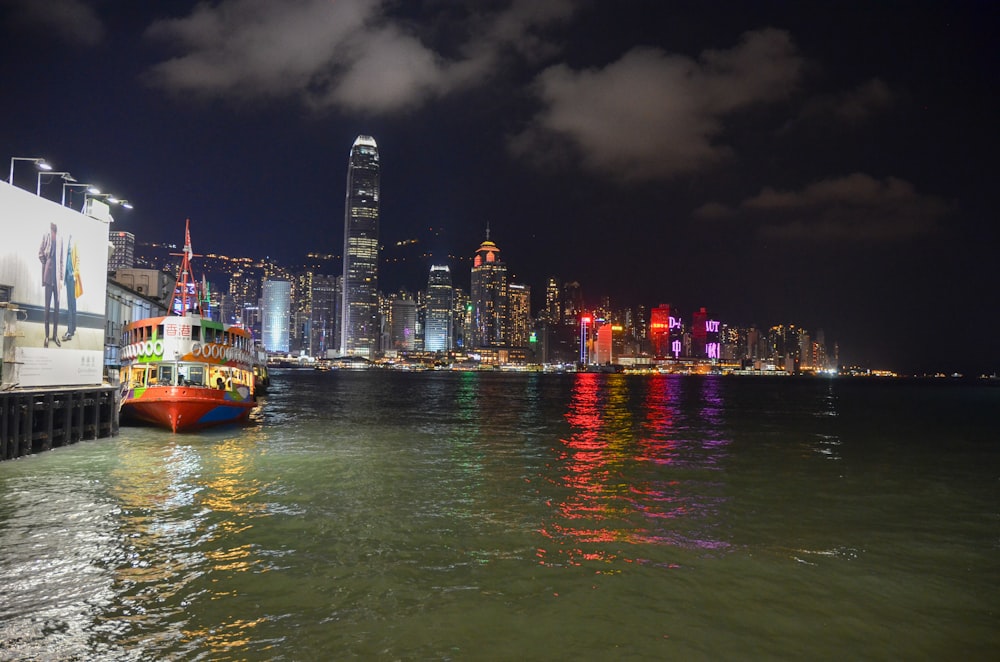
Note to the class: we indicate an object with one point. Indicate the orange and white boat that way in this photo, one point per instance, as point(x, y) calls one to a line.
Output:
point(186, 372)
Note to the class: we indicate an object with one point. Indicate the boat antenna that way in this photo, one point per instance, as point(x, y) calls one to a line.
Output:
point(186, 288)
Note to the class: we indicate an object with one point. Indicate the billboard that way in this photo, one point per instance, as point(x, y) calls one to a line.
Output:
point(54, 261)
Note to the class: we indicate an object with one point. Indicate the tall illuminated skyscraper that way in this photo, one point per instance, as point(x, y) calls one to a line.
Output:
point(518, 314)
point(276, 296)
point(359, 323)
point(488, 297)
point(440, 302)
point(123, 257)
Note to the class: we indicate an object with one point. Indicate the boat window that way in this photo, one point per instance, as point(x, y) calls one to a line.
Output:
point(165, 375)
point(196, 375)
point(138, 376)
point(159, 331)
point(196, 333)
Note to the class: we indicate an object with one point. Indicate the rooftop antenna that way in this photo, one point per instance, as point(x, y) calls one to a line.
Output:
point(487, 230)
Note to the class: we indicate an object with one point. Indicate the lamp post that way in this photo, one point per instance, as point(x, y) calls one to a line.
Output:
point(87, 186)
point(124, 204)
point(37, 160)
point(65, 175)
point(108, 197)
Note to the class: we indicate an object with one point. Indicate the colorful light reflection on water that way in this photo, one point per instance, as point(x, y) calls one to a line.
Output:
point(636, 476)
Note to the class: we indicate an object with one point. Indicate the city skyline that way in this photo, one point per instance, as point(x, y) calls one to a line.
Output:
point(817, 163)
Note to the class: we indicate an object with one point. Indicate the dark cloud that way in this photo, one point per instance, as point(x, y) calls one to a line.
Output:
point(350, 54)
point(857, 207)
point(714, 211)
point(651, 114)
point(869, 99)
point(74, 21)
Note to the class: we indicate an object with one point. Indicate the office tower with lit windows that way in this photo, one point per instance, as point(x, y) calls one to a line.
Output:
point(276, 299)
point(603, 346)
point(359, 310)
point(488, 296)
point(572, 302)
point(518, 314)
point(553, 307)
point(440, 302)
point(403, 323)
point(461, 319)
point(659, 330)
point(123, 255)
point(323, 334)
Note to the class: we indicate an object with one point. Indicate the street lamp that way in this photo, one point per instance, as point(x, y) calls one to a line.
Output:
point(87, 186)
point(107, 197)
point(37, 160)
point(125, 204)
point(65, 175)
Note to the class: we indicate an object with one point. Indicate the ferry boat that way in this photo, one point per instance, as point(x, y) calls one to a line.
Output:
point(186, 372)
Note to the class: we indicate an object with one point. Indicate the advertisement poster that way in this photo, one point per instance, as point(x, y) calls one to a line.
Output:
point(54, 261)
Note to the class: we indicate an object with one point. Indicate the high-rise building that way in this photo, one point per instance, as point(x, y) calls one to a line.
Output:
point(440, 301)
point(603, 351)
point(659, 330)
point(488, 296)
point(276, 296)
point(572, 301)
point(359, 324)
point(519, 314)
point(553, 309)
point(461, 320)
point(403, 328)
point(123, 255)
point(322, 322)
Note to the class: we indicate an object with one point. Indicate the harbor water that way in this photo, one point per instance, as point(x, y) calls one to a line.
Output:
point(494, 516)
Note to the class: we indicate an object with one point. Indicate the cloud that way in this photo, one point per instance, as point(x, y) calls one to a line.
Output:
point(653, 115)
point(714, 211)
point(856, 207)
point(863, 102)
point(74, 21)
point(349, 54)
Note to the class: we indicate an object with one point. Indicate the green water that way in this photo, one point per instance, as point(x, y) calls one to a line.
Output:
point(379, 515)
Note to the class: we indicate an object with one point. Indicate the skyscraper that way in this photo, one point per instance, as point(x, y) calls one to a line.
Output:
point(440, 301)
point(123, 257)
point(402, 332)
point(553, 309)
point(518, 314)
point(276, 296)
point(359, 324)
point(488, 296)
point(323, 335)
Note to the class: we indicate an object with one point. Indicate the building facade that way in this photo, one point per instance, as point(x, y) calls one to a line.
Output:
point(403, 323)
point(359, 324)
point(324, 334)
point(123, 255)
point(518, 314)
point(440, 303)
point(276, 307)
point(488, 298)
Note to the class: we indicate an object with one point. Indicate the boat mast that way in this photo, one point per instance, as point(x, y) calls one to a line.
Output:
point(186, 296)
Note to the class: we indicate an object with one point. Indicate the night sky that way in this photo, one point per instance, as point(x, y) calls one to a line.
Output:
point(829, 165)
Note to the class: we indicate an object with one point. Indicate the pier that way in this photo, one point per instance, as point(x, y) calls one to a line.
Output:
point(38, 420)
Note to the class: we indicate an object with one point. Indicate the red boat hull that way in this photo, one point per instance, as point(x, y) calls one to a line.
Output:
point(187, 409)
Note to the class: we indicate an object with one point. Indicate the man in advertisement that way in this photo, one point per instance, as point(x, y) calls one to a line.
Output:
point(51, 255)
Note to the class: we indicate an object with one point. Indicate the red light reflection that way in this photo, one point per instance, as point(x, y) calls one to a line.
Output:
point(629, 481)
